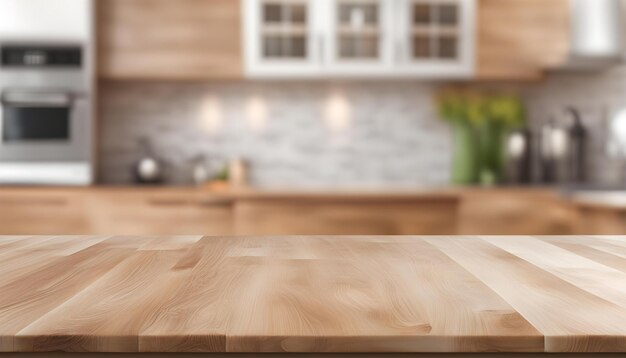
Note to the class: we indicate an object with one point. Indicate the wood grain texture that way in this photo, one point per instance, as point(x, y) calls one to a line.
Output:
point(42, 212)
point(519, 39)
point(435, 214)
point(513, 211)
point(197, 211)
point(151, 211)
point(173, 40)
point(571, 319)
point(313, 294)
point(599, 219)
point(113, 210)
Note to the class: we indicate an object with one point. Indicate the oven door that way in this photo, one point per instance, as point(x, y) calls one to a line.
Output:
point(44, 127)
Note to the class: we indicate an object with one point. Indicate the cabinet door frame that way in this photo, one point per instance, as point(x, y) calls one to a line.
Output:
point(383, 66)
point(395, 45)
point(462, 68)
point(258, 67)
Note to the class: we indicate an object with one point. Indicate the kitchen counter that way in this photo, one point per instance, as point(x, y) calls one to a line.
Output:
point(312, 294)
point(615, 200)
point(202, 193)
point(148, 210)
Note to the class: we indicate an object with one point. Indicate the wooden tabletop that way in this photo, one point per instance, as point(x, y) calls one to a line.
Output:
point(312, 294)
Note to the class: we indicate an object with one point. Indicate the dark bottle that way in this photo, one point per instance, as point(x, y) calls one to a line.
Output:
point(577, 148)
point(552, 151)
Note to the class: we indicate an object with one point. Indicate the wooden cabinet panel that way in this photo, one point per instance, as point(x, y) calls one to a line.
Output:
point(310, 217)
point(202, 39)
point(600, 220)
point(518, 39)
point(182, 211)
point(112, 212)
point(42, 212)
point(169, 39)
point(515, 212)
point(133, 212)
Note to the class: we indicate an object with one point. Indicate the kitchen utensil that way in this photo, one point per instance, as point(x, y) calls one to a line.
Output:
point(552, 152)
point(616, 146)
point(238, 173)
point(519, 157)
point(577, 148)
point(149, 168)
point(199, 172)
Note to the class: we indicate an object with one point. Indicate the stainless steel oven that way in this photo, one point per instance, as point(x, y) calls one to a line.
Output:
point(36, 118)
point(47, 92)
point(46, 115)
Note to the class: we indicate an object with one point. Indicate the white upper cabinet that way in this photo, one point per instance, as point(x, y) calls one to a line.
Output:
point(359, 38)
point(37, 20)
point(436, 38)
point(281, 37)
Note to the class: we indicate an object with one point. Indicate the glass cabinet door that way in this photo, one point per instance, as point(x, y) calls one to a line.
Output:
point(359, 30)
point(435, 29)
point(437, 36)
point(280, 38)
point(335, 38)
point(284, 30)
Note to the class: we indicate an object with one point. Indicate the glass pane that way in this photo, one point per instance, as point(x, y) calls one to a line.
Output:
point(448, 47)
point(298, 14)
point(369, 47)
point(422, 47)
point(347, 47)
point(358, 30)
point(35, 123)
point(422, 14)
point(358, 15)
point(296, 46)
point(448, 14)
point(272, 46)
point(354, 46)
point(284, 30)
point(272, 13)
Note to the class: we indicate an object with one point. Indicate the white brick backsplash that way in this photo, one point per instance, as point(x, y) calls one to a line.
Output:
point(393, 137)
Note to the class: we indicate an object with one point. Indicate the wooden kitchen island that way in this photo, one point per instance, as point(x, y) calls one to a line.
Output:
point(312, 294)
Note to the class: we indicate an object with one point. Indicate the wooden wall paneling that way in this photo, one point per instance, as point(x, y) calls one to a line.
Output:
point(518, 39)
point(169, 39)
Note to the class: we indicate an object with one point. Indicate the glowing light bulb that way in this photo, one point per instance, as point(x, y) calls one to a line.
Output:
point(257, 112)
point(211, 115)
point(337, 113)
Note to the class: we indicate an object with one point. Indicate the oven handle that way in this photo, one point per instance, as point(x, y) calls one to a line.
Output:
point(37, 99)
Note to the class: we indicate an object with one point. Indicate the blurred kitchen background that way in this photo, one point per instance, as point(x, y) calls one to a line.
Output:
point(313, 117)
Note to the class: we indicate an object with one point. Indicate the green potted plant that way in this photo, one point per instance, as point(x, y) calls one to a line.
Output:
point(454, 107)
point(479, 123)
point(503, 113)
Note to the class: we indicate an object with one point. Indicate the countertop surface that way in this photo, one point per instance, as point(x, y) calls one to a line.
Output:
point(312, 294)
point(205, 194)
point(601, 199)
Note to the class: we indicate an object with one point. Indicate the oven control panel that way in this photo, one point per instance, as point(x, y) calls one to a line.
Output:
point(40, 56)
